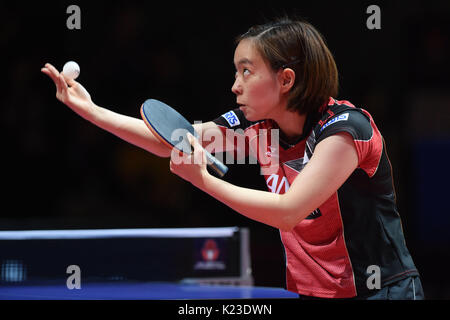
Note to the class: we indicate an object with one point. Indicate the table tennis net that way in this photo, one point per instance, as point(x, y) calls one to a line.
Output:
point(189, 255)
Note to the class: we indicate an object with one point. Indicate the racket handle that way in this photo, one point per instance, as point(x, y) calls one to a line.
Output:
point(215, 164)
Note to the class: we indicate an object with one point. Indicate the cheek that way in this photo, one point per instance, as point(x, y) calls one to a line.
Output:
point(264, 91)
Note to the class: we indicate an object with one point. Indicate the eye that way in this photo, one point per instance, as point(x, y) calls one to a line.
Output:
point(245, 72)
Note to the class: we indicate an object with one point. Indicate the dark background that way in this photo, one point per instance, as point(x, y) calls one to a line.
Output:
point(60, 171)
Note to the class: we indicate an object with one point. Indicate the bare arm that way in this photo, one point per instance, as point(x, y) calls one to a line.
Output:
point(132, 130)
point(333, 161)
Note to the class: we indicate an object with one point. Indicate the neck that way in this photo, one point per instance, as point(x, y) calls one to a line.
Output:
point(291, 125)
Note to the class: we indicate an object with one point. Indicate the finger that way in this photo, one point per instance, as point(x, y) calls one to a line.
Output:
point(71, 82)
point(63, 86)
point(62, 82)
point(173, 153)
point(76, 86)
point(52, 76)
point(48, 73)
point(192, 140)
point(177, 157)
point(55, 73)
point(52, 69)
point(199, 155)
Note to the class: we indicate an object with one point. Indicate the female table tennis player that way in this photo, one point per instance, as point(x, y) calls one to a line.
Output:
point(331, 196)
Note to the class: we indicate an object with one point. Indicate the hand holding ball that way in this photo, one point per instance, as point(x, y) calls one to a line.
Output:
point(71, 70)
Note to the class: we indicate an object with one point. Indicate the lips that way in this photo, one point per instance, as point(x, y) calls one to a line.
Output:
point(243, 109)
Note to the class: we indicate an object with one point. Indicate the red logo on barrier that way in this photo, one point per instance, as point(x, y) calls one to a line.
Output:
point(210, 251)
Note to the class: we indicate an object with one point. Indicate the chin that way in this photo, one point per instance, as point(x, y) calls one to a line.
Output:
point(250, 116)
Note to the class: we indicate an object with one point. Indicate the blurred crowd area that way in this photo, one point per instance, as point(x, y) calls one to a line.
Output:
point(59, 171)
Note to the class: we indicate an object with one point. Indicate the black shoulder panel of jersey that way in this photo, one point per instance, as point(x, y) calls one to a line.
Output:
point(350, 120)
point(233, 119)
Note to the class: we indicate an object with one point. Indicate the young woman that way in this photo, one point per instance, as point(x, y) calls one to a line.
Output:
point(331, 190)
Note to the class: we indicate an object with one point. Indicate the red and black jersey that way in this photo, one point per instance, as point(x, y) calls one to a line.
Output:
point(329, 254)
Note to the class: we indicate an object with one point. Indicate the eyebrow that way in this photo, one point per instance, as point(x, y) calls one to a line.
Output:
point(244, 61)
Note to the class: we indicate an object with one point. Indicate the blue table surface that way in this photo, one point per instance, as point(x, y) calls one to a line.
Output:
point(138, 291)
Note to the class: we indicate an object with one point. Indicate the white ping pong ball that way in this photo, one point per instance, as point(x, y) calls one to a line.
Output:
point(71, 70)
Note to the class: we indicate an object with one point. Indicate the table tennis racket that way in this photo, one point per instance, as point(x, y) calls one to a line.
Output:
point(171, 128)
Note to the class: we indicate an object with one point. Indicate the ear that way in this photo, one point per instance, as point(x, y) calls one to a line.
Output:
point(287, 79)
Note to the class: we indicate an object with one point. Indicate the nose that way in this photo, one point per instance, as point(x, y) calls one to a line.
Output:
point(236, 88)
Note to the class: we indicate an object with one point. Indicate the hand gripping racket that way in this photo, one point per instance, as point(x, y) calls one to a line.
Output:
point(171, 128)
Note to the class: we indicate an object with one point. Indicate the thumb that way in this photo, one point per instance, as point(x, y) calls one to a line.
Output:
point(70, 82)
point(78, 88)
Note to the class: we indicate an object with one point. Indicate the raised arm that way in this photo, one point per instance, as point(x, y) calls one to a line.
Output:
point(132, 130)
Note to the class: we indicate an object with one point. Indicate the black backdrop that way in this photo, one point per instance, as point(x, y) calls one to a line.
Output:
point(59, 171)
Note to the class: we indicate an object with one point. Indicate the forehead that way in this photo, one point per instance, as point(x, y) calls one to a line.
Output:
point(247, 53)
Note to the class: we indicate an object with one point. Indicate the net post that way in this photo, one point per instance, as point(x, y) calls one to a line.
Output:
point(246, 266)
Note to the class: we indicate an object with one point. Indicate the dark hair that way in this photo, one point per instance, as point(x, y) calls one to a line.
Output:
point(299, 46)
